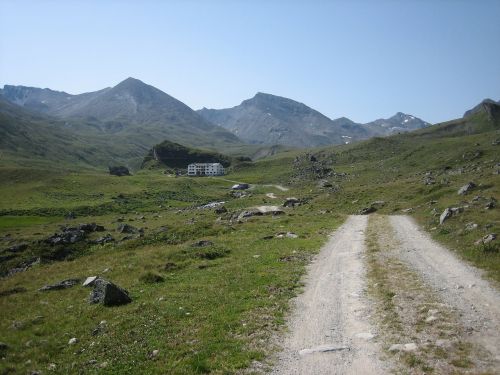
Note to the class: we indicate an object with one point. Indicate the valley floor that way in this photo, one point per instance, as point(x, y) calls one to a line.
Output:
point(383, 297)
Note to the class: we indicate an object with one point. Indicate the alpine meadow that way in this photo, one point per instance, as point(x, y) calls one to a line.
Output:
point(256, 235)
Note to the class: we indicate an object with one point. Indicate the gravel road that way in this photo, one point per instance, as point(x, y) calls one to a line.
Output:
point(457, 283)
point(329, 329)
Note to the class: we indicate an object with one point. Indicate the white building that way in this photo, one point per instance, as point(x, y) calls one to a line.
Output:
point(205, 169)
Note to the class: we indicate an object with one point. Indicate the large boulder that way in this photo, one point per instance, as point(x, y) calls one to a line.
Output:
point(108, 294)
point(119, 171)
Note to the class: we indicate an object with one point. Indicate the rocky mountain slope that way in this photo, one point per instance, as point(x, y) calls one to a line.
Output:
point(270, 119)
point(130, 117)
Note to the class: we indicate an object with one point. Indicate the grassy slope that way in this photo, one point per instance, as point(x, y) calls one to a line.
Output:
point(215, 313)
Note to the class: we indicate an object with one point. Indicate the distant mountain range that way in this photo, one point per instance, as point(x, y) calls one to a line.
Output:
point(270, 119)
point(122, 123)
point(129, 118)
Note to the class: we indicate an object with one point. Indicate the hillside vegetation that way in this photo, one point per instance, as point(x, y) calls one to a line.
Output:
point(210, 285)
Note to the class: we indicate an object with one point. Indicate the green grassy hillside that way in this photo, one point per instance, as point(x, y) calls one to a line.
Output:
point(213, 309)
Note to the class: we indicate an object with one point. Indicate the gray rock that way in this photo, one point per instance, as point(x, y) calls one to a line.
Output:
point(324, 184)
point(220, 210)
point(108, 294)
point(240, 187)
point(65, 284)
point(470, 226)
point(367, 210)
point(247, 214)
point(429, 180)
point(466, 188)
point(73, 341)
point(445, 215)
point(89, 228)
point(89, 281)
point(291, 202)
point(378, 204)
point(490, 205)
point(17, 248)
point(105, 239)
point(68, 236)
point(486, 239)
point(126, 228)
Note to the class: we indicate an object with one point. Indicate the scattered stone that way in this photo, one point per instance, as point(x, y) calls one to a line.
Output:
point(270, 210)
point(378, 204)
point(486, 239)
point(291, 202)
point(470, 226)
point(407, 210)
point(51, 366)
point(202, 243)
point(457, 210)
point(367, 210)
point(210, 205)
point(119, 171)
point(240, 187)
point(126, 228)
point(433, 311)
point(89, 281)
point(17, 248)
point(73, 341)
point(89, 228)
point(153, 354)
point(431, 319)
point(105, 239)
point(70, 216)
point(66, 237)
point(324, 184)
point(100, 328)
point(445, 215)
point(220, 210)
point(466, 188)
point(286, 235)
point(65, 284)
point(247, 214)
point(429, 180)
point(103, 365)
point(108, 294)
point(490, 205)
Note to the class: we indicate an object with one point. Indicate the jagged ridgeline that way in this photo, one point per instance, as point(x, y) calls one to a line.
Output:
point(173, 155)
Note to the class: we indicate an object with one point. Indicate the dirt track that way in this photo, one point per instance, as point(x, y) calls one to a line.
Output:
point(458, 284)
point(329, 329)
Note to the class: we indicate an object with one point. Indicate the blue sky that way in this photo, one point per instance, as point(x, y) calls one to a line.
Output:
point(359, 59)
